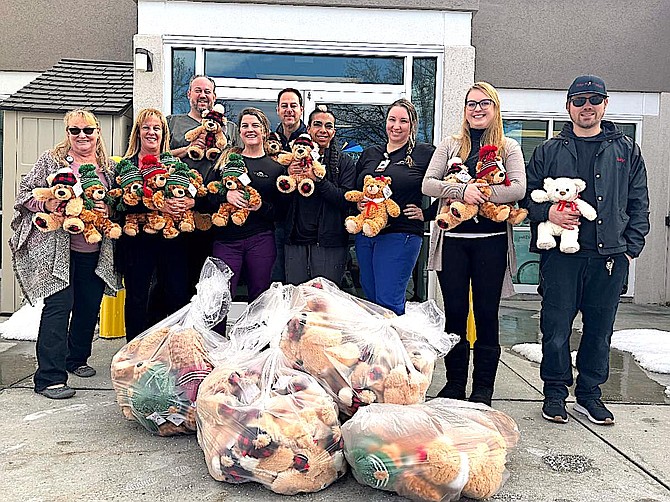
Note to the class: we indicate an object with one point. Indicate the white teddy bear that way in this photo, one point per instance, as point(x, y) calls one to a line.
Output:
point(564, 191)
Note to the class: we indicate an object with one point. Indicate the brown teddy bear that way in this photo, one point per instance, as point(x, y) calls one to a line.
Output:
point(96, 224)
point(64, 187)
point(129, 194)
point(301, 150)
point(179, 185)
point(377, 206)
point(213, 123)
point(273, 145)
point(155, 176)
point(234, 177)
point(453, 213)
point(491, 170)
point(280, 429)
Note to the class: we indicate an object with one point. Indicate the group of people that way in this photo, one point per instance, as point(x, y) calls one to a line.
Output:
point(294, 238)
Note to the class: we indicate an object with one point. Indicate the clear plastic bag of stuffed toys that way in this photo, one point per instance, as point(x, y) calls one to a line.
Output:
point(261, 420)
point(360, 352)
point(432, 452)
point(156, 375)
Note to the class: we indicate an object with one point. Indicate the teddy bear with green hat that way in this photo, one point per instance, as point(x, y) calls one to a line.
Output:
point(233, 177)
point(96, 223)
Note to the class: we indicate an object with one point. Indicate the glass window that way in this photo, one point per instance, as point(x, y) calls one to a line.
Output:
point(528, 264)
point(364, 125)
point(268, 66)
point(529, 134)
point(424, 71)
point(628, 128)
point(183, 68)
point(233, 108)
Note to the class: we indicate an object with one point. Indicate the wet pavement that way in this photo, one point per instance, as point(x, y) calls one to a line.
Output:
point(93, 454)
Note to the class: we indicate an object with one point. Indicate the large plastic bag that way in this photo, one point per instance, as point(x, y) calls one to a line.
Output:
point(156, 375)
point(432, 452)
point(261, 420)
point(360, 352)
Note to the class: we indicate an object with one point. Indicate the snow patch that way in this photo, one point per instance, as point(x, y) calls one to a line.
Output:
point(24, 323)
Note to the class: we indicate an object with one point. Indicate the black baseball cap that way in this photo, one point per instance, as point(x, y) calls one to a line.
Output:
point(587, 84)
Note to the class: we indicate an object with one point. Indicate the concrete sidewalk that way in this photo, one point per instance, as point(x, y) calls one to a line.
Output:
point(82, 449)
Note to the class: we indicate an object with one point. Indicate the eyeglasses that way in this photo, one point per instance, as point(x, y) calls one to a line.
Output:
point(329, 126)
point(75, 131)
point(483, 104)
point(594, 100)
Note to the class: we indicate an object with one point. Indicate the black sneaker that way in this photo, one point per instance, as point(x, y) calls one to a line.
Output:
point(57, 392)
point(595, 411)
point(554, 410)
point(84, 371)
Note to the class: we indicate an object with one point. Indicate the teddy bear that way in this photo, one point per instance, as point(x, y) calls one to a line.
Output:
point(491, 170)
point(95, 222)
point(64, 187)
point(273, 145)
point(181, 183)
point(233, 177)
point(129, 194)
point(155, 176)
point(156, 377)
point(301, 150)
point(453, 213)
point(203, 221)
point(282, 430)
point(213, 124)
point(377, 206)
point(564, 192)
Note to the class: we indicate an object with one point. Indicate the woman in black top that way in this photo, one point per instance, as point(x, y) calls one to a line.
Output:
point(250, 247)
point(386, 260)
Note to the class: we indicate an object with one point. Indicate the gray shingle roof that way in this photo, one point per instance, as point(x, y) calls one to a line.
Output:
point(104, 87)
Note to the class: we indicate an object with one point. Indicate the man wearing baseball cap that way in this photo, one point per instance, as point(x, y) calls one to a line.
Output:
point(591, 277)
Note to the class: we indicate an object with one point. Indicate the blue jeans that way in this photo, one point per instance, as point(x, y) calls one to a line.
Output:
point(386, 263)
point(64, 341)
point(568, 284)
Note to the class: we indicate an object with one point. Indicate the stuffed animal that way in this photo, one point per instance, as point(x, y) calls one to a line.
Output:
point(203, 221)
point(271, 424)
point(156, 377)
point(96, 224)
point(213, 123)
point(233, 177)
point(179, 185)
point(455, 212)
point(273, 145)
point(301, 150)
point(64, 187)
point(377, 206)
point(129, 194)
point(564, 192)
point(490, 169)
point(155, 176)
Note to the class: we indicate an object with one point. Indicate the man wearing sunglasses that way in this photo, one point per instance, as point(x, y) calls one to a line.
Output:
point(590, 280)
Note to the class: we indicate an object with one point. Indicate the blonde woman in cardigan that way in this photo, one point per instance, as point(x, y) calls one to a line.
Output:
point(478, 251)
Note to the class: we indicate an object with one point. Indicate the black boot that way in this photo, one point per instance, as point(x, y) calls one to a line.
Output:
point(457, 362)
point(485, 359)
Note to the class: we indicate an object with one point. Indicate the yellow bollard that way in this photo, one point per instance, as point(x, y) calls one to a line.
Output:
point(471, 332)
point(112, 318)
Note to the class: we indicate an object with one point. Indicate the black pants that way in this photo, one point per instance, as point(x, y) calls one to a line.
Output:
point(571, 283)
point(482, 262)
point(156, 274)
point(64, 343)
point(305, 262)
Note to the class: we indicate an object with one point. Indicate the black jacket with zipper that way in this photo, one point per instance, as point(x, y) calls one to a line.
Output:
point(620, 182)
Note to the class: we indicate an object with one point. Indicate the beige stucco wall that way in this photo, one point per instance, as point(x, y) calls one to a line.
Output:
point(148, 87)
point(652, 281)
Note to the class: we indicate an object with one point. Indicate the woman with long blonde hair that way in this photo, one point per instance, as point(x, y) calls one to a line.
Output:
point(477, 252)
point(63, 269)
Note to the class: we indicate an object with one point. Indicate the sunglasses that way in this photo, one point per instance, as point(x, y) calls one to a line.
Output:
point(75, 131)
point(483, 104)
point(594, 100)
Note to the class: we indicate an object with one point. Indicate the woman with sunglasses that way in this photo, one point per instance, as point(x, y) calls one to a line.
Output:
point(386, 261)
point(478, 252)
point(154, 268)
point(63, 269)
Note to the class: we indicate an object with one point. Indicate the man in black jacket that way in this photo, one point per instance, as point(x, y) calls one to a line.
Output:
point(316, 240)
point(591, 279)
